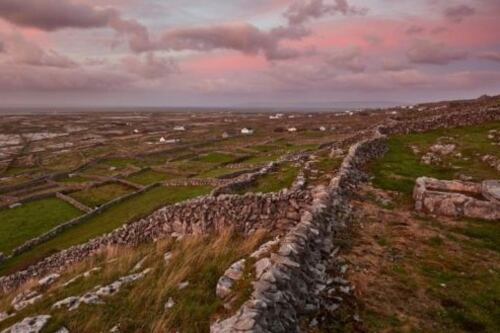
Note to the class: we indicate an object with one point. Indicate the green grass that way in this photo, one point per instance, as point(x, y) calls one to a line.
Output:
point(110, 219)
point(121, 162)
point(96, 196)
point(22, 223)
point(399, 168)
point(219, 172)
point(74, 179)
point(148, 177)
point(274, 181)
point(483, 234)
point(215, 157)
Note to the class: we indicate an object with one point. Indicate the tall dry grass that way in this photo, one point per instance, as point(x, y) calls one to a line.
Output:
point(140, 306)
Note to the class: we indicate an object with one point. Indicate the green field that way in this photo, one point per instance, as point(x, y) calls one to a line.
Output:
point(215, 157)
point(74, 179)
point(17, 225)
point(96, 196)
point(274, 181)
point(400, 166)
point(110, 219)
point(147, 177)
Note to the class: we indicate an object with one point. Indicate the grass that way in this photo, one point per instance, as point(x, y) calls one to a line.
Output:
point(482, 234)
point(31, 219)
point(147, 177)
point(215, 157)
point(110, 219)
point(274, 181)
point(74, 179)
point(200, 260)
point(400, 166)
point(217, 172)
point(96, 196)
point(121, 162)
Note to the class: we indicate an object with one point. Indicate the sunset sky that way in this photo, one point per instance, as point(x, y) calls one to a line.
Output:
point(246, 52)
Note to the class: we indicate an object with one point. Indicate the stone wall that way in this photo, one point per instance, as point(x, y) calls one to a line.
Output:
point(449, 120)
point(290, 287)
point(458, 198)
point(276, 212)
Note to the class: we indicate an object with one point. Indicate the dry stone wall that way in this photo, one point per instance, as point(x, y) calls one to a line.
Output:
point(449, 120)
point(274, 211)
point(291, 286)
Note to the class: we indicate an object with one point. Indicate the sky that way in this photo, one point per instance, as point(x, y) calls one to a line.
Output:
point(246, 52)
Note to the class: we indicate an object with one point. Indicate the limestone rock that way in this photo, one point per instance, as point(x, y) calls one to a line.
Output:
point(48, 280)
point(29, 325)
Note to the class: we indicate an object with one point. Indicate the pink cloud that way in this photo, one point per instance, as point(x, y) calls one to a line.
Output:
point(429, 52)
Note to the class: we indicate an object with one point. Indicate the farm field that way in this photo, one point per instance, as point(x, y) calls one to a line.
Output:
point(31, 219)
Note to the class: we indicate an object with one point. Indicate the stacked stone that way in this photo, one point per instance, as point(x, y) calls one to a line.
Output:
point(291, 287)
point(275, 212)
point(449, 120)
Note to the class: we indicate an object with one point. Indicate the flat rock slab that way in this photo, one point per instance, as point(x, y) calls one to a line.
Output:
point(491, 190)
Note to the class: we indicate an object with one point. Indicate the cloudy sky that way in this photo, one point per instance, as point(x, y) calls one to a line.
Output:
point(246, 52)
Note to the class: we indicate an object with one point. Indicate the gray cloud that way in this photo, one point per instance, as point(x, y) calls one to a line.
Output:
point(458, 13)
point(302, 11)
point(53, 14)
point(348, 59)
point(30, 78)
point(150, 66)
point(428, 52)
point(21, 51)
point(493, 56)
point(415, 29)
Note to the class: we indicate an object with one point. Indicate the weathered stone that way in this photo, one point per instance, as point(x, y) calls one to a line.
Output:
point(261, 266)
point(457, 198)
point(48, 280)
point(29, 325)
point(169, 304)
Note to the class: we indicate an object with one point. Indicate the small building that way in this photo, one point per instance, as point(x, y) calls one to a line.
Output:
point(322, 128)
point(246, 131)
point(276, 116)
point(136, 131)
point(179, 128)
point(162, 140)
point(225, 135)
point(292, 129)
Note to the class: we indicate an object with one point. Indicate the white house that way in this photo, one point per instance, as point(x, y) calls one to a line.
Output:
point(276, 116)
point(162, 140)
point(322, 128)
point(292, 129)
point(179, 128)
point(246, 131)
point(136, 131)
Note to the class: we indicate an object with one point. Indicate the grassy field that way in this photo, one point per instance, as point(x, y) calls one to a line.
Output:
point(96, 196)
point(424, 273)
point(22, 223)
point(274, 181)
point(74, 179)
point(148, 177)
point(399, 168)
point(219, 172)
point(198, 260)
point(112, 218)
point(215, 157)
